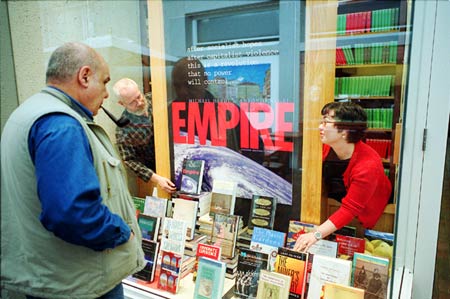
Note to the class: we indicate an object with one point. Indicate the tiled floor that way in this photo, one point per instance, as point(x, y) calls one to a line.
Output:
point(441, 288)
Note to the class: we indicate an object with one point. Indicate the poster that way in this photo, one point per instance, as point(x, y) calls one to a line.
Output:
point(238, 126)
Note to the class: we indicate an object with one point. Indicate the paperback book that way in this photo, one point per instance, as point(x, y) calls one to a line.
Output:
point(262, 212)
point(155, 206)
point(206, 250)
point(186, 210)
point(139, 204)
point(371, 273)
point(224, 233)
point(294, 264)
point(149, 226)
point(192, 176)
point(223, 197)
point(267, 241)
point(150, 249)
point(339, 291)
point(328, 269)
point(273, 285)
point(250, 264)
point(347, 246)
point(210, 279)
point(173, 236)
point(295, 229)
point(169, 276)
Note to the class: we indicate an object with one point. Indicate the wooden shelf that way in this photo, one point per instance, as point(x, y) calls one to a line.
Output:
point(365, 98)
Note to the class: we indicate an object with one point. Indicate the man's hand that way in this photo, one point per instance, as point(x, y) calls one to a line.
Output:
point(164, 183)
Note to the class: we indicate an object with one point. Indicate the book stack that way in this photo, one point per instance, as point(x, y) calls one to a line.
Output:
point(203, 199)
point(191, 246)
point(379, 118)
point(204, 225)
point(231, 266)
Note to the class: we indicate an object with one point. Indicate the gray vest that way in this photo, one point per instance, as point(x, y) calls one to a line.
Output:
point(33, 260)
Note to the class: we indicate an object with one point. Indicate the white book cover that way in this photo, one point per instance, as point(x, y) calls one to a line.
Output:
point(324, 247)
point(186, 210)
point(155, 206)
point(328, 269)
point(223, 191)
point(174, 235)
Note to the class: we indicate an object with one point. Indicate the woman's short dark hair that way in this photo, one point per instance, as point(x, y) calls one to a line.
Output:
point(350, 117)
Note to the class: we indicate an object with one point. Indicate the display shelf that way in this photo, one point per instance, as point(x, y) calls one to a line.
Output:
point(142, 290)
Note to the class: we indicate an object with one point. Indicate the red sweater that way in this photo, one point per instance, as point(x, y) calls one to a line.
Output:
point(368, 188)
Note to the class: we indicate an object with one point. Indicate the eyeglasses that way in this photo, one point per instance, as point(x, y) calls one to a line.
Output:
point(324, 121)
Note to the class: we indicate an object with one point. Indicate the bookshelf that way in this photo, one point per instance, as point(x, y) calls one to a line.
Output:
point(369, 71)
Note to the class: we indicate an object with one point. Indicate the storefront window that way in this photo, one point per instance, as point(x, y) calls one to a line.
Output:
point(240, 85)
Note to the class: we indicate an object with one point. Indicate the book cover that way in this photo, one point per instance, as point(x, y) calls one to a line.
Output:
point(250, 264)
point(210, 279)
point(371, 273)
point(339, 291)
point(273, 285)
point(155, 206)
point(295, 229)
point(262, 212)
point(328, 269)
point(206, 250)
point(139, 204)
point(173, 237)
point(150, 249)
point(223, 197)
point(294, 264)
point(324, 247)
point(224, 233)
point(379, 243)
point(149, 226)
point(267, 241)
point(203, 199)
point(192, 176)
point(169, 276)
point(186, 210)
point(347, 246)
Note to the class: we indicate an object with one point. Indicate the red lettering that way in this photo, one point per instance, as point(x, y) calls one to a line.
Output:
point(177, 122)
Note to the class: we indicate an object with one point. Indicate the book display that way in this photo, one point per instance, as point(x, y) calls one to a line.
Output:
point(250, 264)
point(267, 241)
point(223, 197)
point(186, 210)
point(149, 226)
point(150, 249)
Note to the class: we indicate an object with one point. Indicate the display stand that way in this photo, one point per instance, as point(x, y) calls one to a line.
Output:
point(134, 290)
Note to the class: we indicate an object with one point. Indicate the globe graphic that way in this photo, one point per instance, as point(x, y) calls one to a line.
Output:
point(225, 164)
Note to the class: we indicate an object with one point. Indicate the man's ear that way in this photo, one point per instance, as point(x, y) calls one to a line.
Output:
point(84, 75)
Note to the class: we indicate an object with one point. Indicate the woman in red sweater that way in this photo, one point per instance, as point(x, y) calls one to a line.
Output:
point(352, 171)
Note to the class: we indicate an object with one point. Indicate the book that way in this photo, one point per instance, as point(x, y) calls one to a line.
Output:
point(224, 233)
point(339, 291)
point(371, 273)
point(267, 241)
point(273, 285)
point(149, 226)
point(173, 237)
point(150, 249)
point(169, 276)
point(186, 210)
point(139, 204)
point(328, 269)
point(206, 250)
point(324, 247)
point(155, 206)
point(262, 212)
point(379, 244)
point(293, 263)
point(223, 197)
point(203, 199)
point(250, 264)
point(210, 279)
point(347, 246)
point(192, 176)
point(295, 229)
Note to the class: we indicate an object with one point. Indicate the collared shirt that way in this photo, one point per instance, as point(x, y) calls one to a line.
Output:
point(68, 186)
point(136, 144)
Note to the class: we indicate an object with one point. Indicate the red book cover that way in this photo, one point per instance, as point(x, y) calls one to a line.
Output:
point(170, 271)
point(369, 21)
point(347, 246)
point(206, 250)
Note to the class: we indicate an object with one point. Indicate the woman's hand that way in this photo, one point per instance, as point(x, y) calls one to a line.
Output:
point(304, 242)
